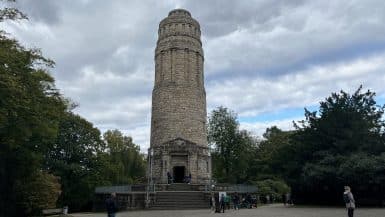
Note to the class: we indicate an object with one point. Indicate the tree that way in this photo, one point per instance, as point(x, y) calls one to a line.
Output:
point(272, 187)
point(272, 155)
point(11, 13)
point(344, 145)
point(128, 165)
point(30, 110)
point(232, 148)
point(76, 157)
point(347, 123)
point(40, 136)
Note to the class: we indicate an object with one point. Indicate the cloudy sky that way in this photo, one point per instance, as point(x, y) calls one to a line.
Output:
point(264, 59)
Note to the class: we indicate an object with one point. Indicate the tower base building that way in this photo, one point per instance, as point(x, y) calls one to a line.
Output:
point(183, 160)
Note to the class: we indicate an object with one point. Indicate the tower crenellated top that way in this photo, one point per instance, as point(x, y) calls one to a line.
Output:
point(179, 12)
point(179, 23)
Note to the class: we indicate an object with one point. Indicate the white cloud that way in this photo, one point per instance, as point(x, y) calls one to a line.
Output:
point(297, 35)
point(297, 89)
point(260, 56)
point(259, 127)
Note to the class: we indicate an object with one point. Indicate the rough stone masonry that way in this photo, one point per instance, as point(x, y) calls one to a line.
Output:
point(178, 121)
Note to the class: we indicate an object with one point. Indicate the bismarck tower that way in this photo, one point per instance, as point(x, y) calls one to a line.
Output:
point(178, 123)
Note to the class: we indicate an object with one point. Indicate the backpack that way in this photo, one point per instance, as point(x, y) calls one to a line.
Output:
point(346, 198)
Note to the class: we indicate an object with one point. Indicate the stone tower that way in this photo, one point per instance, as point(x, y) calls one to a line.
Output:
point(178, 122)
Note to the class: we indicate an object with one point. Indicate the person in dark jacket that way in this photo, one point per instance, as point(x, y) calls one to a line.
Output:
point(169, 178)
point(349, 201)
point(236, 201)
point(111, 205)
point(217, 203)
point(222, 203)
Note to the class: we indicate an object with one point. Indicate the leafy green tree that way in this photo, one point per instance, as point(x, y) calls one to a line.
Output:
point(128, 165)
point(232, 148)
point(30, 110)
point(77, 158)
point(272, 156)
point(272, 187)
point(11, 13)
point(346, 123)
point(343, 145)
point(39, 134)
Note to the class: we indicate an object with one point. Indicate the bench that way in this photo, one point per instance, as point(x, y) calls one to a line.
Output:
point(47, 212)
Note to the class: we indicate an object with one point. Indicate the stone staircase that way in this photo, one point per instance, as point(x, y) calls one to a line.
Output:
point(180, 187)
point(179, 198)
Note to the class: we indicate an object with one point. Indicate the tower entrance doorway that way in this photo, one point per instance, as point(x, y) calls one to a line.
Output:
point(179, 172)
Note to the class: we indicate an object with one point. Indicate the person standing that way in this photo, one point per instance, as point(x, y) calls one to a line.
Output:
point(169, 178)
point(222, 203)
point(249, 201)
point(236, 201)
point(289, 200)
point(267, 199)
point(217, 203)
point(111, 205)
point(227, 201)
point(349, 201)
point(212, 202)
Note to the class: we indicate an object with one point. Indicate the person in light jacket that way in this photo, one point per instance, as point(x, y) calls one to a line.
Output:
point(349, 201)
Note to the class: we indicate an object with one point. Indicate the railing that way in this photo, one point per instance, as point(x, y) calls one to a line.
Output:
point(233, 188)
point(166, 187)
point(119, 189)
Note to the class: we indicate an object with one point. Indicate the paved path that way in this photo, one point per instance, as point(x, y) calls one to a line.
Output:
point(276, 210)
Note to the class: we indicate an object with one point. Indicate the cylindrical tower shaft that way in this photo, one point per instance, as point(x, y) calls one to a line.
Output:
point(179, 98)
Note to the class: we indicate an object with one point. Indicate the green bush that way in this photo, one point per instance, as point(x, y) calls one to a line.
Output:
point(38, 192)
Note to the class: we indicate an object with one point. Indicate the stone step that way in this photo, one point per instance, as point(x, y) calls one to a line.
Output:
point(180, 187)
point(180, 196)
point(179, 192)
point(176, 193)
point(180, 200)
point(180, 204)
point(177, 208)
